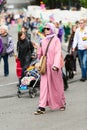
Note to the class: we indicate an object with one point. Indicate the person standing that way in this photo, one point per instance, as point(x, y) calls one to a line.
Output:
point(24, 49)
point(1, 47)
point(80, 40)
point(8, 47)
point(51, 84)
point(60, 31)
point(67, 29)
point(69, 48)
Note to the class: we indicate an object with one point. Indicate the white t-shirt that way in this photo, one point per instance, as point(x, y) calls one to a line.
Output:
point(80, 38)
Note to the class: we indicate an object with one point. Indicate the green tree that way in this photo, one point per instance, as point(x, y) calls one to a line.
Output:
point(59, 3)
point(83, 3)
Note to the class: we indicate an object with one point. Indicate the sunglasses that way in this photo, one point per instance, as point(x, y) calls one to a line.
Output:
point(47, 29)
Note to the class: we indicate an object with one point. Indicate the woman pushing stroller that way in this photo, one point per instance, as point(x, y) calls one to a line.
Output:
point(24, 49)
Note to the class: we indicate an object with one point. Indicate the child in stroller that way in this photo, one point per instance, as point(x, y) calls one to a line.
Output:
point(30, 81)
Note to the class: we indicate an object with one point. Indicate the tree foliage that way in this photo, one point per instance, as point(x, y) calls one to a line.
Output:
point(83, 3)
point(59, 3)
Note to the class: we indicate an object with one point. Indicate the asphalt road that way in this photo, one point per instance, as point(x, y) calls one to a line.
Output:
point(18, 113)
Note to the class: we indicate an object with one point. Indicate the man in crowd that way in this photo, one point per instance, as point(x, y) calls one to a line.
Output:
point(80, 40)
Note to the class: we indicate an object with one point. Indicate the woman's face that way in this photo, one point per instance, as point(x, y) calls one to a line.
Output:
point(74, 28)
point(23, 30)
point(23, 36)
point(2, 31)
point(47, 30)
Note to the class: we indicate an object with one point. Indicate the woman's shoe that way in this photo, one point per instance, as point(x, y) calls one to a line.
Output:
point(40, 111)
point(62, 108)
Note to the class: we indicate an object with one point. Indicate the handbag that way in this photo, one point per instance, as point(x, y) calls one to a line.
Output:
point(41, 66)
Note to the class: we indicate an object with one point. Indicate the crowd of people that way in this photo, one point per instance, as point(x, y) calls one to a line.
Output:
point(33, 35)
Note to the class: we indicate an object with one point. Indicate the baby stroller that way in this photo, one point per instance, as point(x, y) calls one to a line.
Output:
point(30, 82)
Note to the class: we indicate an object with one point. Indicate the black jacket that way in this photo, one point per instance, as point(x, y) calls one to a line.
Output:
point(69, 48)
point(25, 49)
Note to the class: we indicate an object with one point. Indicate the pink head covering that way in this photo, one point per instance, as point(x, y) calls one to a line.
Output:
point(51, 26)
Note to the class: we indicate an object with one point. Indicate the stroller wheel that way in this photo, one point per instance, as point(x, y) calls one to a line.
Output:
point(19, 94)
point(32, 94)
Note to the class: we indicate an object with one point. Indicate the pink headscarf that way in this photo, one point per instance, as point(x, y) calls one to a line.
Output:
point(51, 26)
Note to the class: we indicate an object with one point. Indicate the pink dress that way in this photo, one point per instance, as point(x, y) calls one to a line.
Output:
point(51, 85)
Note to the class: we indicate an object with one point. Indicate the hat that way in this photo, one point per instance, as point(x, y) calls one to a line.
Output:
point(4, 27)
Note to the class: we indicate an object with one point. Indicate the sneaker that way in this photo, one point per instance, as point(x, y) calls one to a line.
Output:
point(6, 75)
point(82, 79)
point(39, 111)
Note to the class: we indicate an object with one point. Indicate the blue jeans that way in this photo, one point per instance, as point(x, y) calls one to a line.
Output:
point(83, 61)
point(6, 65)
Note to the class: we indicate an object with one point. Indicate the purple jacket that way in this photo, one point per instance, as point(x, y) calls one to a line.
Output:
point(1, 46)
point(60, 33)
point(10, 45)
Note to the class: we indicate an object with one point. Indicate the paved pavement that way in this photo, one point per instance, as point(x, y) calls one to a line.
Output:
point(17, 113)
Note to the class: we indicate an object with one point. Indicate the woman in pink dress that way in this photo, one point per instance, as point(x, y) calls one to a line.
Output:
point(51, 85)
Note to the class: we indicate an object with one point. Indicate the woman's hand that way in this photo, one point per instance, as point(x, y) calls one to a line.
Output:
point(85, 46)
point(54, 68)
point(35, 45)
point(73, 49)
